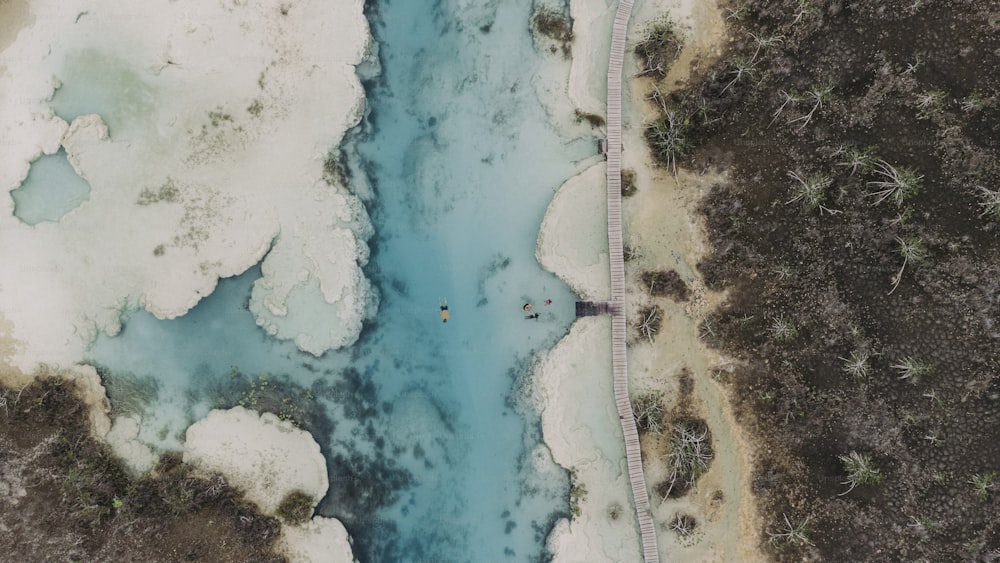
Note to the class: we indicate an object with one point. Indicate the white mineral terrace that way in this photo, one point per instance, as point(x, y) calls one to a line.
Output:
point(202, 129)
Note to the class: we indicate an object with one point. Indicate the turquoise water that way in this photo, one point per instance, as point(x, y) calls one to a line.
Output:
point(101, 83)
point(51, 190)
point(428, 450)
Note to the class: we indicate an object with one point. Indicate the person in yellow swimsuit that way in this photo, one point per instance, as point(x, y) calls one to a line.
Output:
point(444, 311)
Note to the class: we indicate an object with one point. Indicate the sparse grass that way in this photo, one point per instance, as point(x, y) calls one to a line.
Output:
point(791, 534)
point(930, 104)
point(764, 42)
point(858, 160)
point(818, 94)
point(783, 329)
point(983, 484)
point(741, 68)
point(913, 251)
point(857, 366)
point(737, 11)
point(989, 202)
point(810, 189)
point(972, 103)
point(913, 368)
point(861, 470)
point(899, 184)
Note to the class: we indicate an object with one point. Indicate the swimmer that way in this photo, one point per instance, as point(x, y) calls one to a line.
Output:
point(548, 301)
point(444, 311)
point(527, 307)
point(532, 316)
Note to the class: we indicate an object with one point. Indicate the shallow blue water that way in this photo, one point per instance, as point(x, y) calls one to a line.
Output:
point(429, 458)
point(51, 190)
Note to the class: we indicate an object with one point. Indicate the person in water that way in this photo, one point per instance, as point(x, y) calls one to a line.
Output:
point(527, 307)
point(548, 301)
point(532, 316)
point(444, 312)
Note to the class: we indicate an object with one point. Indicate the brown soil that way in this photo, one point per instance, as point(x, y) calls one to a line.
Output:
point(67, 498)
point(809, 279)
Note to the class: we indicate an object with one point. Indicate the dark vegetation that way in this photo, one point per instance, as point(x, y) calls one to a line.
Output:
point(665, 284)
point(629, 185)
point(67, 498)
point(681, 438)
point(857, 236)
point(555, 25)
point(276, 394)
point(684, 525)
point(295, 508)
point(647, 323)
point(592, 119)
point(658, 49)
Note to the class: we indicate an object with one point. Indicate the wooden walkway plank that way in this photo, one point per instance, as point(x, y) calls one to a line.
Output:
point(633, 453)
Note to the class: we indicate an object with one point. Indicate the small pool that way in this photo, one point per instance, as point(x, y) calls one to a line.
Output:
point(51, 190)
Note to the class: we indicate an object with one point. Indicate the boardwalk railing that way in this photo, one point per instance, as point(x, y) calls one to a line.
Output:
point(633, 455)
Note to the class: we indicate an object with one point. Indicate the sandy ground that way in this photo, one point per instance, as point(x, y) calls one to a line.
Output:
point(662, 221)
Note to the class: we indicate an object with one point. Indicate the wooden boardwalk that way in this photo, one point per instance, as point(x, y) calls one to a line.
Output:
point(594, 308)
point(647, 528)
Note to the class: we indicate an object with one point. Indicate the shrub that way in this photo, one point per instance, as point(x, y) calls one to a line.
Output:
point(658, 48)
point(648, 411)
point(649, 322)
point(665, 284)
point(690, 454)
point(684, 525)
point(667, 137)
point(629, 187)
point(295, 508)
point(591, 118)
